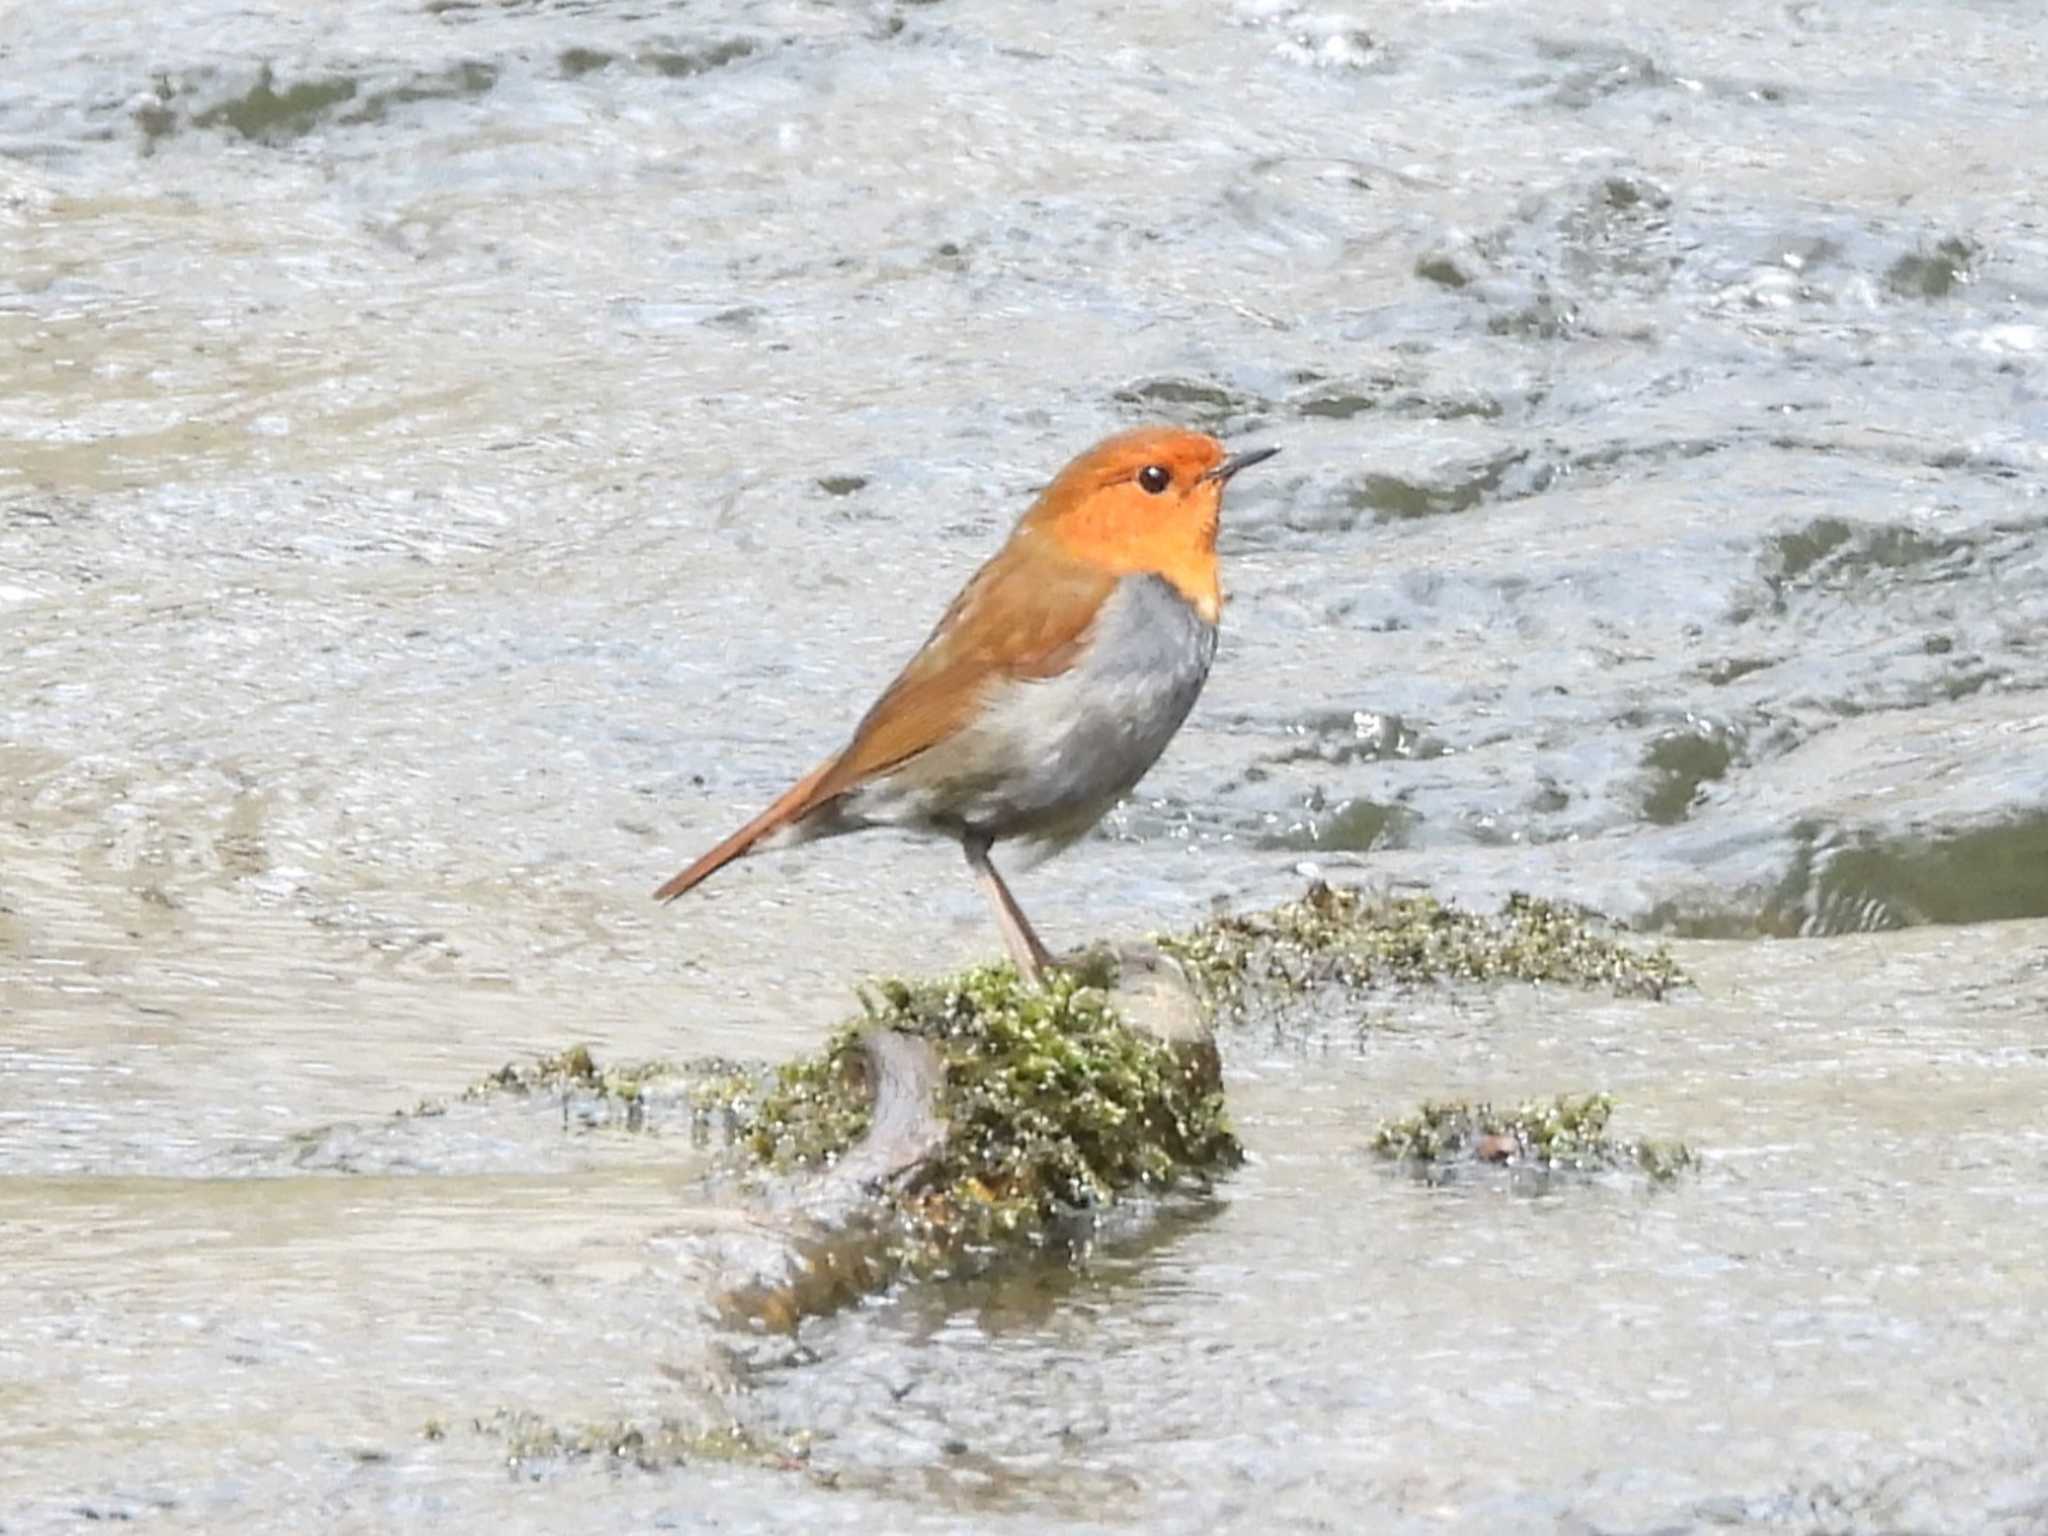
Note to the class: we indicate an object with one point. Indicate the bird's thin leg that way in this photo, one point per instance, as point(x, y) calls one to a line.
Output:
point(1026, 951)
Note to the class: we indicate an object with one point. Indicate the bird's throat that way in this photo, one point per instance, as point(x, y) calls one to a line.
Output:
point(1183, 557)
point(1198, 583)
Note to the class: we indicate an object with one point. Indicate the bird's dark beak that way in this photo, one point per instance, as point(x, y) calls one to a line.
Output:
point(1237, 461)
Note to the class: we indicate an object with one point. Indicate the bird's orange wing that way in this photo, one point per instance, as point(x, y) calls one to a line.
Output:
point(1025, 614)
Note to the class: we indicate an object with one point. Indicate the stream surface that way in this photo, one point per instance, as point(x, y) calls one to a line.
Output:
point(458, 460)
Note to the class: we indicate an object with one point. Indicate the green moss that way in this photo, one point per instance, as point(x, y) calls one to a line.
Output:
point(1052, 1104)
point(816, 1108)
point(726, 1096)
point(1355, 940)
point(574, 1070)
point(1565, 1134)
point(632, 1095)
point(651, 1445)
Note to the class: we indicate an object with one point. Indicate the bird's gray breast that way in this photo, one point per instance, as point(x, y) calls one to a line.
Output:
point(1061, 751)
point(1044, 758)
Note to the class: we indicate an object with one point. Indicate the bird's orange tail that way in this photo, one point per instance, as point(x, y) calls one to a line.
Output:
point(800, 797)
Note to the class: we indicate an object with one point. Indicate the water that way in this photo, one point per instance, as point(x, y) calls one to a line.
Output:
point(461, 460)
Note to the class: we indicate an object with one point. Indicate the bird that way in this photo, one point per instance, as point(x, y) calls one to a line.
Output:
point(1050, 685)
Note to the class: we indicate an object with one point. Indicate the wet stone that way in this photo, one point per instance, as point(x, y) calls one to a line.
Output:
point(1860, 881)
point(575, 62)
point(1679, 763)
point(1395, 498)
point(1198, 402)
point(683, 63)
point(1933, 274)
point(1352, 826)
point(1336, 407)
point(274, 116)
point(1443, 269)
point(1837, 552)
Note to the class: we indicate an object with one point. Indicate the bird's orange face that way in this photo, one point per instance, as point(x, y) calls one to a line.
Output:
point(1145, 502)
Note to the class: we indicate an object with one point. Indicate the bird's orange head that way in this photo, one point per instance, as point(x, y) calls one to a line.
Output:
point(1145, 501)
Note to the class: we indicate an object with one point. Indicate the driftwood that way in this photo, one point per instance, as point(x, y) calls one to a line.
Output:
point(905, 1076)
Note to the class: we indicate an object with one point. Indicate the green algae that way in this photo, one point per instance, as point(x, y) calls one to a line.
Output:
point(1051, 1104)
point(716, 1094)
point(1565, 1134)
point(1355, 940)
point(574, 1069)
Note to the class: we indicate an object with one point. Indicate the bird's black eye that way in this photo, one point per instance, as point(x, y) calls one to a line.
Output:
point(1154, 479)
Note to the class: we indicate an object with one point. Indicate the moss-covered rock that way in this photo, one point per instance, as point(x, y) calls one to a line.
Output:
point(1052, 1104)
point(1353, 940)
point(1564, 1134)
point(959, 1116)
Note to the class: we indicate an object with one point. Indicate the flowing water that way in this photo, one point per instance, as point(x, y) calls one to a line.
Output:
point(458, 459)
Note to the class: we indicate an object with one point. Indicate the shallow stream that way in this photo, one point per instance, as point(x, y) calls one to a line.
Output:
point(458, 459)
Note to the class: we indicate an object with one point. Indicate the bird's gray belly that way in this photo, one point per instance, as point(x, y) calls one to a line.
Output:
point(1046, 759)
